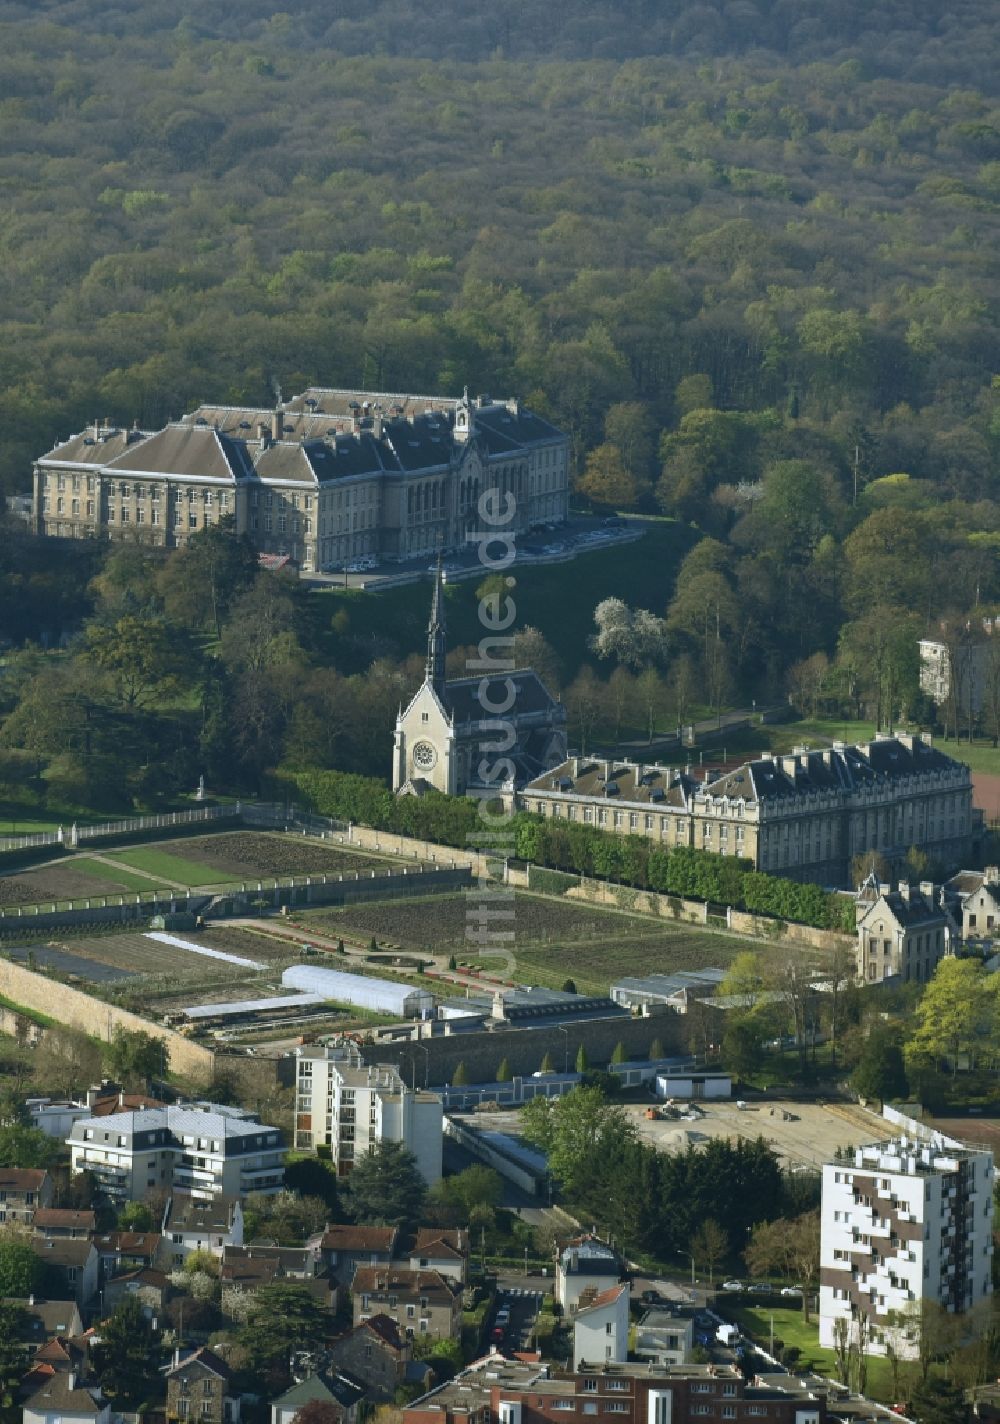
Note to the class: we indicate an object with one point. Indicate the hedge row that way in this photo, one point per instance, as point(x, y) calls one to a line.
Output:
point(570, 846)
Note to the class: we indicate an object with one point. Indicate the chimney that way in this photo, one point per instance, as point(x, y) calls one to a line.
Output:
point(277, 423)
point(263, 434)
point(575, 766)
point(71, 1380)
point(177, 1355)
point(377, 427)
point(904, 890)
point(31, 1298)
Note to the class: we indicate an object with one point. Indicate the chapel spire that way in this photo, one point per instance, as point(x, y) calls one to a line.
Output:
point(437, 631)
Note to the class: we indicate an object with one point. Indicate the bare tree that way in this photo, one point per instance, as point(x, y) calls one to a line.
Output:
point(709, 1246)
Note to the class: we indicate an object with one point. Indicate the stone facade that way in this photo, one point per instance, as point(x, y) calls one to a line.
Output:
point(484, 734)
point(903, 933)
point(805, 815)
point(329, 477)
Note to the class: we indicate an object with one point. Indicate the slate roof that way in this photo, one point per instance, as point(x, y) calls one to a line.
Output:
point(56, 1396)
point(204, 1357)
point(463, 700)
point(192, 450)
point(840, 768)
point(908, 913)
point(45, 1318)
point(326, 1386)
point(611, 780)
point(90, 450)
point(189, 1213)
point(62, 1250)
point(385, 1328)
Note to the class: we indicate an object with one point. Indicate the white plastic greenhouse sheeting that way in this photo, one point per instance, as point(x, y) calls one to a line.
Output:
point(203, 949)
point(379, 995)
point(248, 1006)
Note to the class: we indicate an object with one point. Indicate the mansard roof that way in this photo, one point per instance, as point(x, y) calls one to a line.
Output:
point(840, 768)
point(611, 780)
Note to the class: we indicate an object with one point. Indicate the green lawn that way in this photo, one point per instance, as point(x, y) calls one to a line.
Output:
point(111, 875)
point(171, 867)
point(791, 1327)
point(559, 599)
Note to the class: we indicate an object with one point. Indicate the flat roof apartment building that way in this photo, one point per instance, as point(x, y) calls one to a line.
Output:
point(904, 1221)
point(350, 1106)
point(204, 1149)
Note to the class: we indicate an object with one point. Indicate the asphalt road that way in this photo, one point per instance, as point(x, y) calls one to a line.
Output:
point(522, 1304)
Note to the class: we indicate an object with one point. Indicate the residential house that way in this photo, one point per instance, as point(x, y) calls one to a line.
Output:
point(976, 894)
point(60, 1355)
point(804, 815)
point(345, 1248)
point(71, 1268)
point(341, 1394)
point(205, 1149)
point(22, 1191)
point(380, 1357)
point(45, 1319)
point(193, 1224)
point(445, 1251)
point(121, 1252)
point(56, 1221)
point(285, 1263)
point(63, 1399)
point(200, 1387)
point(151, 1287)
point(600, 1325)
point(665, 1336)
point(903, 934)
point(499, 1391)
point(420, 1302)
point(54, 1116)
point(903, 1221)
point(586, 1263)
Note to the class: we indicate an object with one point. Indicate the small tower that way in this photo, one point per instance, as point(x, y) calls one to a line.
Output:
point(437, 648)
point(463, 419)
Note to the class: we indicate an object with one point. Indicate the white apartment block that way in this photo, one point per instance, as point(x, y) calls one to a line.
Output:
point(906, 1221)
point(350, 1106)
point(204, 1149)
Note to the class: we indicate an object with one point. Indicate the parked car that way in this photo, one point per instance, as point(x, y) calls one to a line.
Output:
point(792, 1292)
point(761, 1288)
point(650, 1297)
point(732, 1285)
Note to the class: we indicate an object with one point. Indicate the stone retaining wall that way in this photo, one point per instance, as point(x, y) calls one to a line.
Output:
point(78, 1010)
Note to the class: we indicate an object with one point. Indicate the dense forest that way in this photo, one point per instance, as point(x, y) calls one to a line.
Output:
point(745, 254)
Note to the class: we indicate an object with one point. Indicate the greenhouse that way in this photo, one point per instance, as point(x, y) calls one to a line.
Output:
point(380, 996)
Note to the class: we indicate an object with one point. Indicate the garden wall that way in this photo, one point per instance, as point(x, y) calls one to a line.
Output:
point(434, 1060)
point(672, 907)
point(78, 1010)
point(389, 843)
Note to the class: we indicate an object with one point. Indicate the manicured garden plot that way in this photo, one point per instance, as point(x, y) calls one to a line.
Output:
point(161, 863)
point(554, 940)
point(261, 853)
point(111, 875)
point(69, 880)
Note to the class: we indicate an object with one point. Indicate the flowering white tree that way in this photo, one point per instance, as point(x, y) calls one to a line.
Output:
point(634, 637)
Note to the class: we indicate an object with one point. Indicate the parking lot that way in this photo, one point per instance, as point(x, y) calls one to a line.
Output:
point(553, 542)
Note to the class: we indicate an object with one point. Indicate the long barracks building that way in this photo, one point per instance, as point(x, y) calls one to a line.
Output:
point(327, 477)
point(805, 815)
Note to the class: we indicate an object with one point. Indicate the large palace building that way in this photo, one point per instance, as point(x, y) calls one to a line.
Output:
point(328, 477)
point(805, 815)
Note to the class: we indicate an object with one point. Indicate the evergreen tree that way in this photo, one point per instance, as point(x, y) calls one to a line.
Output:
point(504, 1074)
point(582, 1061)
point(128, 1355)
point(547, 1066)
point(619, 1055)
point(460, 1076)
point(386, 1187)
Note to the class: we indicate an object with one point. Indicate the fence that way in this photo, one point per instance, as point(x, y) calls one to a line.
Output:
point(72, 836)
point(246, 895)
